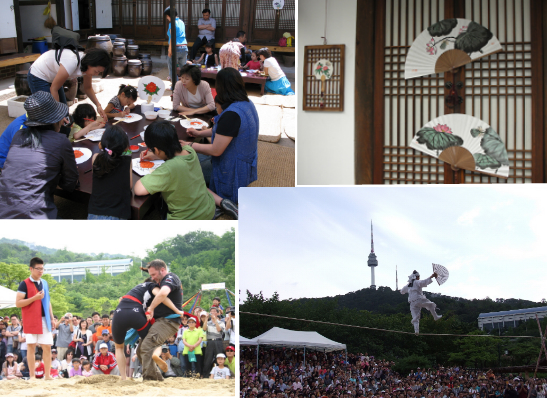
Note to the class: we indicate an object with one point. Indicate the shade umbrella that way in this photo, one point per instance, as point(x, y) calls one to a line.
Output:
point(7, 298)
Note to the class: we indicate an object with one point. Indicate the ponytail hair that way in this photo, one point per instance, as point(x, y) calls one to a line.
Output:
point(128, 91)
point(32, 135)
point(114, 143)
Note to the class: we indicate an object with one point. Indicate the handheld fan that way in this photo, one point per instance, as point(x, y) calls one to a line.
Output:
point(145, 167)
point(447, 45)
point(465, 142)
point(95, 135)
point(442, 273)
point(131, 118)
point(150, 88)
point(323, 70)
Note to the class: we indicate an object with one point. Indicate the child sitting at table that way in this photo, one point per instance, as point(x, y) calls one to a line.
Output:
point(85, 120)
point(179, 179)
point(208, 59)
point(112, 177)
point(254, 63)
point(123, 102)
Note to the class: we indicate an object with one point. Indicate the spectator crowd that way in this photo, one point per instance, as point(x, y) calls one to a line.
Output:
point(84, 347)
point(281, 373)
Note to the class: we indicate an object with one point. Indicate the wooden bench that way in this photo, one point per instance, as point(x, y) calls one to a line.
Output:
point(164, 43)
point(271, 48)
point(219, 45)
point(17, 59)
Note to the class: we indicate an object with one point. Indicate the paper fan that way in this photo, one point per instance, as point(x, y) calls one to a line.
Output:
point(195, 123)
point(442, 273)
point(447, 45)
point(465, 142)
point(95, 135)
point(132, 117)
point(151, 88)
point(81, 154)
point(323, 70)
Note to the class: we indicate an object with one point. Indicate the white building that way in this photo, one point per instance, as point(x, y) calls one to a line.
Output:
point(76, 271)
point(509, 319)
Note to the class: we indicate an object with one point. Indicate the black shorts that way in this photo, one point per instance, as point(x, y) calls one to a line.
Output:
point(128, 315)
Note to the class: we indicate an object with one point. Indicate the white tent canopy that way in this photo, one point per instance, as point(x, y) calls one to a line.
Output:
point(246, 341)
point(7, 298)
point(291, 338)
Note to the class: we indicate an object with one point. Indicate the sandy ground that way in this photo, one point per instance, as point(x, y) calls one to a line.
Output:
point(112, 386)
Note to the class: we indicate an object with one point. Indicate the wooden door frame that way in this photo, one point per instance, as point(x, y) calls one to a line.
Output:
point(91, 31)
point(369, 93)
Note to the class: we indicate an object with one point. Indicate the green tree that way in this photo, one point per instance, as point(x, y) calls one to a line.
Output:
point(475, 351)
point(11, 275)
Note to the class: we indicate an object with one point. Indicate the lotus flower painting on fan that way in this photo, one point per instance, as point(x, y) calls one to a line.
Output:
point(465, 142)
point(447, 45)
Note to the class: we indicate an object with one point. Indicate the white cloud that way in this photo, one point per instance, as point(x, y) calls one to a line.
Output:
point(468, 217)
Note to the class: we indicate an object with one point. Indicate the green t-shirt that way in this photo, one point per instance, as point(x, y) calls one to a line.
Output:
point(231, 366)
point(180, 181)
point(75, 128)
point(192, 337)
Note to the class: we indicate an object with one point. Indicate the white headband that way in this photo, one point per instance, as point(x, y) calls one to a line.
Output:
point(413, 276)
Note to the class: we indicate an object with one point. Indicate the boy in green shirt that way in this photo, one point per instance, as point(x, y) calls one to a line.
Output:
point(179, 179)
point(191, 339)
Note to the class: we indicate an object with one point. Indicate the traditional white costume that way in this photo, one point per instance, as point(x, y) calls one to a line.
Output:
point(417, 299)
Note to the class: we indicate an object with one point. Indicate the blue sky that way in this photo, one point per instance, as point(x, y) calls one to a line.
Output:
point(314, 242)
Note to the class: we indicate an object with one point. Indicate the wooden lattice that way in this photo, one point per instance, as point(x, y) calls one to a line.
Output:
point(127, 12)
point(334, 87)
point(497, 89)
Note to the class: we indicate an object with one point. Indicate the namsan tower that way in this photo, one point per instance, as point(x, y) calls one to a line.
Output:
point(372, 261)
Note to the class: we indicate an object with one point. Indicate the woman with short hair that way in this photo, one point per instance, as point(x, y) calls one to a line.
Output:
point(46, 74)
point(192, 96)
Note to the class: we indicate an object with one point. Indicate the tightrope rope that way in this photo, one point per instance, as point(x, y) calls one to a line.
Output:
point(387, 330)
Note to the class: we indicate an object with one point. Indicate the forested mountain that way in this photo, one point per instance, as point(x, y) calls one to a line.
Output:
point(346, 319)
point(17, 252)
point(197, 257)
point(41, 249)
point(384, 300)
